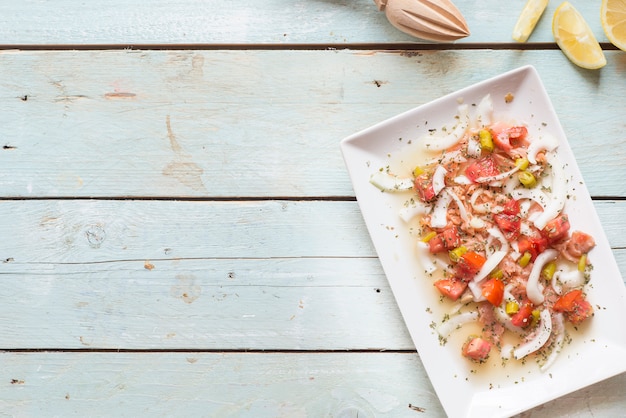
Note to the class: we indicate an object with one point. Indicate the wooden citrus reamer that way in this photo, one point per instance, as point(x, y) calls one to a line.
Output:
point(436, 20)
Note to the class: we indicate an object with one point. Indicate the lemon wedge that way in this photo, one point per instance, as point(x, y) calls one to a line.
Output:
point(575, 38)
point(613, 18)
point(527, 20)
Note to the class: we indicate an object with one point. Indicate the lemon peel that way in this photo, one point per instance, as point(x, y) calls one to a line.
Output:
point(528, 18)
point(576, 39)
point(613, 19)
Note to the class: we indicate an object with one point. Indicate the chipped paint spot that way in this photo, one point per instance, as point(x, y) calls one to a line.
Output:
point(188, 173)
point(70, 98)
point(124, 95)
point(197, 65)
point(171, 136)
point(182, 168)
point(186, 288)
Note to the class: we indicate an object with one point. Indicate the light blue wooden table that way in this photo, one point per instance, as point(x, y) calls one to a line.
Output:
point(179, 233)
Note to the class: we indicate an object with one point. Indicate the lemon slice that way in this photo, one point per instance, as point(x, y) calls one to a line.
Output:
point(613, 18)
point(527, 20)
point(575, 38)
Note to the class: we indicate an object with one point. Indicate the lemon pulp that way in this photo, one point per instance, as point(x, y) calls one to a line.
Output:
point(576, 39)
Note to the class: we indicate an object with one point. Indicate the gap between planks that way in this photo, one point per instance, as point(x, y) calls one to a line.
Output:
point(389, 47)
point(226, 198)
point(208, 351)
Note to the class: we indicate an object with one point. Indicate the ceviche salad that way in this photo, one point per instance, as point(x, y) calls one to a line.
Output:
point(485, 201)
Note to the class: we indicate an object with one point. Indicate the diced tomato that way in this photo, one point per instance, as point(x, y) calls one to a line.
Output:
point(423, 185)
point(556, 229)
point(493, 291)
point(469, 264)
point(535, 244)
point(510, 137)
point(580, 243)
point(511, 207)
point(509, 225)
point(517, 132)
point(446, 240)
point(451, 238)
point(435, 244)
point(524, 316)
point(567, 301)
point(477, 349)
point(509, 220)
point(574, 306)
point(483, 167)
point(451, 287)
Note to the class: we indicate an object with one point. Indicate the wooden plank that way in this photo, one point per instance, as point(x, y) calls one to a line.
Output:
point(246, 384)
point(200, 384)
point(218, 275)
point(268, 304)
point(182, 123)
point(93, 231)
point(339, 22)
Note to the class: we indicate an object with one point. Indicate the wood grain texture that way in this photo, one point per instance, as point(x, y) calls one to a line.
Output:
point(250, 123)
point(92, 231)
point(214, 304)
point(337, 22)
point(259, 385)
point(201, 275)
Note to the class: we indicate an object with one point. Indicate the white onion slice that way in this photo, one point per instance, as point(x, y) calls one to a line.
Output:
point(439, 217)
point(462, 180)
point(554, 283)
point(424, 257)
point(456, 322)
point(445, 141)
point(448, 157)
point(496, 233)
point(459, 203)
point(439, 179)
point(534, 194)
point(390, 183)
point(559, 333)
point(547, 142)
point(477, 223)
point(501, 176)
point(543, 334)
point(473, 148)
point(507, 351)
point(476, 290)
point(569, 279)
point(513, 188)
point(558, 192)
point(501, 314)
point(534, 289)
point(491, 263)
point(480, 208)
point(413, 209)
point(484, 112)
point(505, 320)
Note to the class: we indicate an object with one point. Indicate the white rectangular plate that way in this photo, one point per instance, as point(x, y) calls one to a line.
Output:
point(597, 349)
